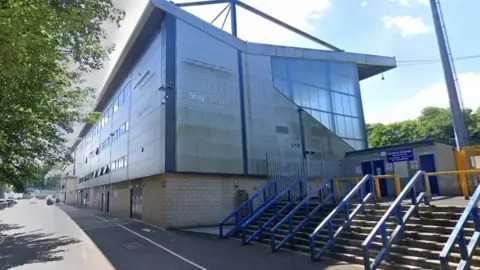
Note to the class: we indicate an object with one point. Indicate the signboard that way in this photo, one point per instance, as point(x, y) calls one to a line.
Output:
point(414, 164)
point(398, 156)
point(389, 167)
point(358, 170)
point(401, 168)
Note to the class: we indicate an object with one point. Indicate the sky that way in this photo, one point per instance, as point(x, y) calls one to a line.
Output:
point(399, 28)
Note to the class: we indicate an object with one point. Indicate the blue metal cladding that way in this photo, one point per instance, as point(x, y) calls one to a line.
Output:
point(171, 97)
point(329, 91)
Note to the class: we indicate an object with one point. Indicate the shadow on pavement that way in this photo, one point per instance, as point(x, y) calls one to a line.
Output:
point(30, 247)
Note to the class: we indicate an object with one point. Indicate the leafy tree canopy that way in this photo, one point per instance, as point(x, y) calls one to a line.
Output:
point(46, 48)
point(433, 123)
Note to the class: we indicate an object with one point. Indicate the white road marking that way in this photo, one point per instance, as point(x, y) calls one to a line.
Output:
point(164, 248)
point(151, 225)
point(104, 219)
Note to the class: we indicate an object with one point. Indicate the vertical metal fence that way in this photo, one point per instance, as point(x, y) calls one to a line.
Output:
point(286, 171)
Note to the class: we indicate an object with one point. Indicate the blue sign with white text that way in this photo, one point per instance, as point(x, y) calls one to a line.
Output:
point(398, 156)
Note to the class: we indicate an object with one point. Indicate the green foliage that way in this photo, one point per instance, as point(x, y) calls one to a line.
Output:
point(46, 49)
point(433, 123)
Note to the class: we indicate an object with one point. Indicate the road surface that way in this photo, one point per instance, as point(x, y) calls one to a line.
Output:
point(63, 237)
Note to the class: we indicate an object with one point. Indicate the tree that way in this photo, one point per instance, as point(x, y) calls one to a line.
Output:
point(46, 49)
point(433, 123)
point(380, 135)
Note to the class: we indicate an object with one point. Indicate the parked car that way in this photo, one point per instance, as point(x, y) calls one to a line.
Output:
point(11, 202)
point(3, 204)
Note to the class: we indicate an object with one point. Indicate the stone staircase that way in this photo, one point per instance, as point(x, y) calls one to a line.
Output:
point(419, 249)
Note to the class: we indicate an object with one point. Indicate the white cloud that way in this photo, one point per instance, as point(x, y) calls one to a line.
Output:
point(435, 95)
point(408, 26)
point(408, 3)
point(364, 4)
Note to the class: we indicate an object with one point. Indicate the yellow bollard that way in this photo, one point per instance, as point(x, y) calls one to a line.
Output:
point(377, 189)
point(428, 191)
point(464, 181)
point(398, 187)
point(337, 189)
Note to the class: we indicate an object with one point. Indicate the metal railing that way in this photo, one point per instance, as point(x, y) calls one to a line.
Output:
point(289, 194)
point(268, 193)
point(326, 193)
point(402, 218)
point(395, 177)
point(359, 190)
point(458, 233)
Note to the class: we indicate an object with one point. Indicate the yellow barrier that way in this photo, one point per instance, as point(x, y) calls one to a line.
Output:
point(463, 182)
point(395, 177)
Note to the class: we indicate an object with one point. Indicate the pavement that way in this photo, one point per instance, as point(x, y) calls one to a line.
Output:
point(63, 237)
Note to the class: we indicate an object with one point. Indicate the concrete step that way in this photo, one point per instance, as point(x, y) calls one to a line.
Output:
point(424, 249)
point(420, 248)
point(354, 254)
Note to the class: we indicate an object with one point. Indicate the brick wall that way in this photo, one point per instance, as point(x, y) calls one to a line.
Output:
point(198, 200)
point(120, 199)
point(154, 200)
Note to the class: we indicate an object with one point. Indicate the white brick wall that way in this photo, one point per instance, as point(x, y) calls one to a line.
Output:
point(197, 200)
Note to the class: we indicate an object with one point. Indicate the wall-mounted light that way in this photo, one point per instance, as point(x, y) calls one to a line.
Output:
point(235, 184)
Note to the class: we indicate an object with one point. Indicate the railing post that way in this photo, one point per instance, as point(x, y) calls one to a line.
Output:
point(475, 219)
point(332, 186)
point(399, 215)
point(362, 196)
point(413, 194)
point(372, 188)
point(462, 245)
point(347, 215)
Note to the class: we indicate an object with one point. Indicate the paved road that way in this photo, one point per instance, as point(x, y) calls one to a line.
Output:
point(63, 237)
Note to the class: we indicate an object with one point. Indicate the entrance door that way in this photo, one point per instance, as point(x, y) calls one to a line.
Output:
point(101, 201)
point(427, 163)
point(367, 169)
point(107, 203)
point(379, 169)
point(136, 203)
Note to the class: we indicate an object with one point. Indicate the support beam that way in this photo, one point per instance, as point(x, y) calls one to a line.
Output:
point(200, 3)
point(257, 12)
point(287, 26)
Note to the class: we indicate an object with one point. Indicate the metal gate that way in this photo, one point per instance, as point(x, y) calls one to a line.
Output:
point(286, 171)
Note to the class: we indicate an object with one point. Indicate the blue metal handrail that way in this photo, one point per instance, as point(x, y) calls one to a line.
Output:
point(402, 218)
point(268, 195)
point(326, 193)
point(458, 235)
point(291, 198)
point(359, 189)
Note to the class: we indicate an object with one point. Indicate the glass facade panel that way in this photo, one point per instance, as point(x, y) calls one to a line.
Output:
point(329, 91)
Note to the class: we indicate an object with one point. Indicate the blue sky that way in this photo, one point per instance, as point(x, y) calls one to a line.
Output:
point(400, 28)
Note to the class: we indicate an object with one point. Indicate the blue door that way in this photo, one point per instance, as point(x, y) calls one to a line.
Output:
point(367, 169)
point(427, 163)
point(379, 169)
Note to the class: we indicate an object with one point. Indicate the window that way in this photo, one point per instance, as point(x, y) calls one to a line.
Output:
point(115, 105)
point(126, 126)
point(125, 161)
point(114, 165)
point(121, 98)
point(127, 91)
point(120, 163)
